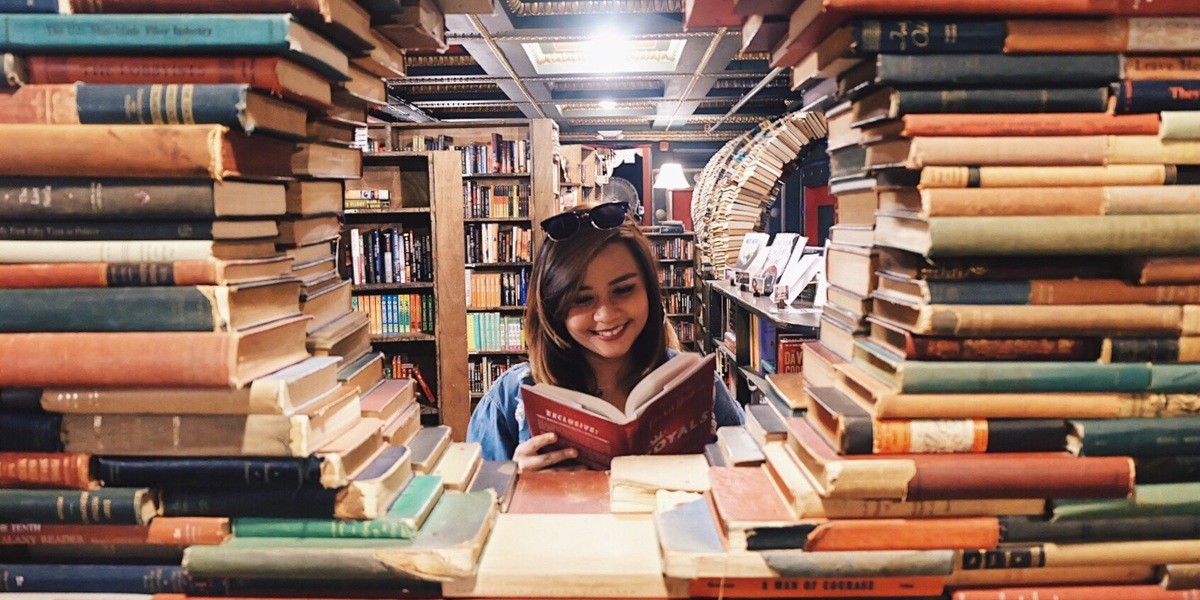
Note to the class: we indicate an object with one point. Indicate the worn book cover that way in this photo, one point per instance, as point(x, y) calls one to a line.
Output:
point(669, 412)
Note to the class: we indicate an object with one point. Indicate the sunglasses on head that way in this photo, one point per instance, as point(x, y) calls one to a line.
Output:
point(609, 215)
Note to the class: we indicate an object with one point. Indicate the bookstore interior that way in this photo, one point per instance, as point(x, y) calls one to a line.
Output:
point(600, 299)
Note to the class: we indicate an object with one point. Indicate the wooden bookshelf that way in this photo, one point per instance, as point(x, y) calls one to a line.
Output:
point(421, 186)
point(540, 171)
point(578, 174)
point(676, 254)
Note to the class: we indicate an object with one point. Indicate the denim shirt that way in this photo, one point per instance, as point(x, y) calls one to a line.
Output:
point(499, 422)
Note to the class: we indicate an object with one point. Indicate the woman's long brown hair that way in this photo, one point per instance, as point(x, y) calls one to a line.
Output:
point(558, 270)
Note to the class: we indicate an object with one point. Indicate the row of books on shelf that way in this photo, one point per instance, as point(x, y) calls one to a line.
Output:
point(483, 371)
point(673, 249)
point(492, 331)
point(489, 290)
point(494, 242)
point(387, 255)
point(676, 275)
point(686, 331)
point(496, 156)
point(421, 143)
point(679, 302)
point(369, 199)
point(481, 201)
point(394, 314)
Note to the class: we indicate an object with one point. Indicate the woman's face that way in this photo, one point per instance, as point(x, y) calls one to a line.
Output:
point(611, 306)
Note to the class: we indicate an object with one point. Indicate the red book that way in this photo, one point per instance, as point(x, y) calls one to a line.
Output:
point(811, 587)
point(668, 412)
point(46, 470)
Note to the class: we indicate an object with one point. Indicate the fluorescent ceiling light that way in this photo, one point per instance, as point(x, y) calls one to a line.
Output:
point(608, 104)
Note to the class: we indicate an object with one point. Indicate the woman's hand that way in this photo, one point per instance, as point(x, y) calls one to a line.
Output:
point(527, 457)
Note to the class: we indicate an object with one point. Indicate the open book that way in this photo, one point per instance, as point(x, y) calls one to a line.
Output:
point(668, 412)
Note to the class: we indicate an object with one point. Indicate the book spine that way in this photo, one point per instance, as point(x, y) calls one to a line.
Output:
point(105, 230)
point(904, 534)
point(1090, 100)
point(138, 33)
point(382, 528)
point(1148, 500)
point(162, 531)
point(1167, 469)
point(1136, 437)
point(1037, 529)
point(1025, 349)
point(1009, 177)
point(812, 587)
point(997, 70)
point(212, 473)
point(110, 579)
point(86, 275)
point(1153, 350)
point(109, 309)
point(1162, 68)
point(1117, 234)
point(1021, 124)
point(29, 6)
point(1156, 96)
point(926, 36)
point(115, 506)
point(161, 104)
point(940, 477)
point(1031, 376)
point(39, 470)
point(1166, 270)
point(969, 436)
point(1079, 592)
point(194, 6)
point(30, 432)
point(24, 400)
point(303, 503)
point(159, 359)
point(83, 150)
point(1014, 7)
point(67, 198)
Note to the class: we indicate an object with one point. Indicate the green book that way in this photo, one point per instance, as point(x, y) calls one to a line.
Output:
point(1148, 500)
point(1135, 437)
point(166, 33)
point(403, 518)
point(446, 547)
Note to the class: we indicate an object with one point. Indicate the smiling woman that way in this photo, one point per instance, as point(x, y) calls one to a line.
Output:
point(594, 323)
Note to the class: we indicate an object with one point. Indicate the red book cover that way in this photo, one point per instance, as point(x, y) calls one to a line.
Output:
point(790, 354)
point(668, 412)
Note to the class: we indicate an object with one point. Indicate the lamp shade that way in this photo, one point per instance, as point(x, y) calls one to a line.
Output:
point(670, 177)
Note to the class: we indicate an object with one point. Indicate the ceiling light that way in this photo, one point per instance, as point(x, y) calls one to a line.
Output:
point(608, 104)
point(609, 134)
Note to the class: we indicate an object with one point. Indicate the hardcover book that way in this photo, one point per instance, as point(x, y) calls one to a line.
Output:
point(668, 412)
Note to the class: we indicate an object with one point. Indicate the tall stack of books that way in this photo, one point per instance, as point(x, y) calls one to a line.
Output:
point(740, 183)
point(173, 327)
point(1014, 283)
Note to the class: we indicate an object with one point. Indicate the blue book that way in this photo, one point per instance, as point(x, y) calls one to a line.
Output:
point(927, 36)
point(21, 400)
point(109, 579)
point(306, 503)
point(30, 432)
point(28, 6)
point(233, 105)
point(178, 33)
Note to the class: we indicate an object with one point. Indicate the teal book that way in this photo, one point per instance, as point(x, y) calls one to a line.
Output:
point(402, 521)
point(105, 506)
point(1175, 378)
point(167, 33)
point(965, 377)
point(1148, 500)
point(446, 547)
point(1135, 437)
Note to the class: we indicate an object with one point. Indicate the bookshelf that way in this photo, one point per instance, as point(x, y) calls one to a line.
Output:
point(422, 321)
point(578, 175)
point(676, 254)
point(511, 172)
point(755, 323)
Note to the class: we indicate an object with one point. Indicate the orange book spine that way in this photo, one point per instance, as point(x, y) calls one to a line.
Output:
point(44, 104)
point(1057, 36)
point(169, 151)
point(905, 437)
point(824, 587)
point(1170, 269)
point(1033, 124)
point(904, 534)
point(189, 359)
point(1082, 592)
point(46, 470)
point(167, 531)
point(49, 275)
point(1108, 291)
point(188, 531)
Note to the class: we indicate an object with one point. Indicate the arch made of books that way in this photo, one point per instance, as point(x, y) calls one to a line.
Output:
point(742, 180)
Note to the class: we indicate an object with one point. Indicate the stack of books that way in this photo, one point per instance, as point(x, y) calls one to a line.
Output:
point(1014, 281)
point(179, 349)
point(740, 183)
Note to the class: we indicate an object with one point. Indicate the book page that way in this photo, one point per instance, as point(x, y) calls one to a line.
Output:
point(582, 401)
point(659, 379)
